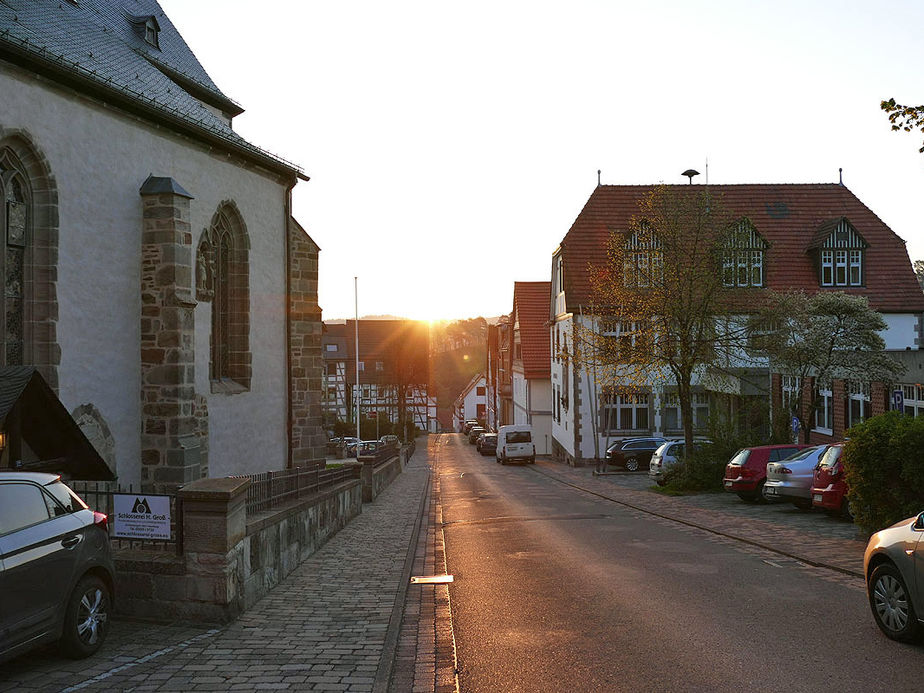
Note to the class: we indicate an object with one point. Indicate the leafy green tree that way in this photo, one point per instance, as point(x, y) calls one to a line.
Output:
point(905, 118)
point(826, 335)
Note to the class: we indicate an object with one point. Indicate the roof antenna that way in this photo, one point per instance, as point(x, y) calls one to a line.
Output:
point(707, 170)
point(689, 173)
point(598, 177)
point(840, 174)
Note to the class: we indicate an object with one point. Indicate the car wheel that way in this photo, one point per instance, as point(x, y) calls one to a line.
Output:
point(803, 504)
point(632, 464)
point(86, 620)
point(891, 604)
point(532, 460)
point(846, 509)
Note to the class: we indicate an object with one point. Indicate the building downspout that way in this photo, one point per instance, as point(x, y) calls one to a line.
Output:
point(288, 300)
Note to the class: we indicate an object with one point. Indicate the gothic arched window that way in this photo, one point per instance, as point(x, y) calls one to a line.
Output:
point(14, 191)
point(222, 278)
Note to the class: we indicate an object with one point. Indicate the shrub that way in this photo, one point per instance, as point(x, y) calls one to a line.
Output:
point(884, 469)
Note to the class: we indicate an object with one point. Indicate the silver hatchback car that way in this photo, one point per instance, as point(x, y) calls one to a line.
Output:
point(895, 578)
point(791, 479)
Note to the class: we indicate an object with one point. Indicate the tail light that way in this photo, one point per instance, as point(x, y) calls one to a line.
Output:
point(746, 472)
point(101, 520)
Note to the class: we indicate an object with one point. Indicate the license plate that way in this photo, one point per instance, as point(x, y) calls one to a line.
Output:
point(728, 484)
point(817, 497)
point(770, 491)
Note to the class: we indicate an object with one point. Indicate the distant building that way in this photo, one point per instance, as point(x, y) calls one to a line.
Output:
point(393, 366)
point(154, 273)
point(472, 402)
point(531, 384)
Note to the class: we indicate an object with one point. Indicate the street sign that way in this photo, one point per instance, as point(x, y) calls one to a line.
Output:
point(898, 400)
point(140, 516)
point(795, 424)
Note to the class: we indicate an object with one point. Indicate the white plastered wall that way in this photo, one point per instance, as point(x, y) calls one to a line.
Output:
point(99, 158)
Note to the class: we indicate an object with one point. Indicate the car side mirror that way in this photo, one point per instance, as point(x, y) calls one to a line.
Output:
point(919, 521)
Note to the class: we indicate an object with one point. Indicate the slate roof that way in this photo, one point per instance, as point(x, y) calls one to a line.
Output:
point(93, 46)
point(788, 216)
point(531, 310)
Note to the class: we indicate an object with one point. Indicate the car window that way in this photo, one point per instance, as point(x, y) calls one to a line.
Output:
point(519, 437)
point(69, 502)
point(803, 454)
point(641, 445)
point(21, 505)
point(677, 450)
point(829, 459)
point(781, 453)
point(740, 457)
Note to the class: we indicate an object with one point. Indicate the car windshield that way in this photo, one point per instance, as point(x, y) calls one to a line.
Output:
point(829, 459)
point(519, 437)
point(740, 457)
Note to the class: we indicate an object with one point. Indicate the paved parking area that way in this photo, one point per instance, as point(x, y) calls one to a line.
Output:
point(810, 536)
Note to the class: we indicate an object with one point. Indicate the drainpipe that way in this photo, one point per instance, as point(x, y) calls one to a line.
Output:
point(288, 306)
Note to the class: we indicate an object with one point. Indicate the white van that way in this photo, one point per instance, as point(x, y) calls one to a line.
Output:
point(515, 442)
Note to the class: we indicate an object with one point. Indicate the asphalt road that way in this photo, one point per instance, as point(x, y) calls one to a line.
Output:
point(559, 590)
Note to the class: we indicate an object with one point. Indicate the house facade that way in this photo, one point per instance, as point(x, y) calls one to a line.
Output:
point(811, 238)
point(472, 403)
point(393, 365)
point(531, 390)
point(156, 276)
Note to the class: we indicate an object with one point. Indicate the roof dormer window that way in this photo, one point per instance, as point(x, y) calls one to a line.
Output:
point(147, 29)
point(841, 251)
point(743, 256)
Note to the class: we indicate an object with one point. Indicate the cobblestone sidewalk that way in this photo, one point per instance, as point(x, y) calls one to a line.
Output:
point(323, 629)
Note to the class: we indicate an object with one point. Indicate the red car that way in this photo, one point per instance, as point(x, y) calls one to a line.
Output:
point(829, 490)
point(746, 473)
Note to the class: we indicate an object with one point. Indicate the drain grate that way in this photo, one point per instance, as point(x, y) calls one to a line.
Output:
point(430, 579)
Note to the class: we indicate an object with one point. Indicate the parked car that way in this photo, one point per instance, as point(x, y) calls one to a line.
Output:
point(790, 480)
point(487, 444)
point(56, 570)
point(895, 579)
point(474, 432)
point(367, 449)
point(666, 456)
point(746, 472)
point(468, 425)
point(829, 490)
point(515, 442)
point(633, 453)
point(390, 440)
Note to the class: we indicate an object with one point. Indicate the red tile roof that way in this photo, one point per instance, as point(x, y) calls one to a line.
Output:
point(388, 342)
point(531, 309)
point(788, 216)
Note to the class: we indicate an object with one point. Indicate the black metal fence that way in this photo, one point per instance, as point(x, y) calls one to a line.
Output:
point(99, 496)
point(270, 490)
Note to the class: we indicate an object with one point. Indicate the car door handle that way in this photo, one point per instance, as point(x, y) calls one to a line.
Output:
point(70, 542)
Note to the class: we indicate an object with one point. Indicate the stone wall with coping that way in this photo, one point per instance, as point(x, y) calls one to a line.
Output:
point(229, 560)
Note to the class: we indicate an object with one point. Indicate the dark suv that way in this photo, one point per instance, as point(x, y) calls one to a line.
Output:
point(56, 572)
point(633, 453)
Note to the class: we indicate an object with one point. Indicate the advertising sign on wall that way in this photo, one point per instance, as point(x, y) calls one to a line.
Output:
point(140, 516)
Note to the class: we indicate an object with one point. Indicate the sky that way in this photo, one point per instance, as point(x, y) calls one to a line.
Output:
point(450, 146)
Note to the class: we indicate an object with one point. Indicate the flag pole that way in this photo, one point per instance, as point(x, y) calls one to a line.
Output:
point(356, 334)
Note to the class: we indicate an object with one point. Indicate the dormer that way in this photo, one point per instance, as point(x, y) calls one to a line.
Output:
point(147, 28)
point(840, 253)
point(743, 256)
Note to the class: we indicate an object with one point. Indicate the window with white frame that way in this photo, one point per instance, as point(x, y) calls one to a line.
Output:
point(841, 256)
point(824, 407)
point(791, 393)
point(743, 256)
point(643, 264)
point(857, 403)
point(671, 419)
point(624, 412)
point(623, 337)
point(559, 275)
point(913, 400)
